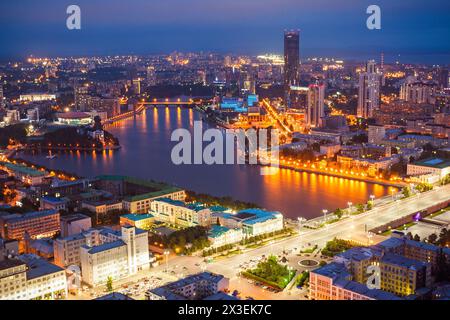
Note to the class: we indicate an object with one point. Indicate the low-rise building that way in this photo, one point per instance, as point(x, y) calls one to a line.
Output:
point(179, 213)
point(437, 166)
point(74, 224)
point(122, 256)
point(39, 224)
point(29, 277)
point(141, 221)
point(23, 173)
point(195, 287)
point(253, 222)
point(53, 203)
point(220, 236)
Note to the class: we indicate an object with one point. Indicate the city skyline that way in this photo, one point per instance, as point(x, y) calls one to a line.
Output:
point(241, 28)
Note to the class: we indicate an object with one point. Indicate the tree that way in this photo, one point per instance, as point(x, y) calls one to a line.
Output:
point(369, 205)
point(406, 191)
point(338, 213)
point(416, 238)
point(432, 238)
point(109, 284)
point(360, 208)
point(97, 123)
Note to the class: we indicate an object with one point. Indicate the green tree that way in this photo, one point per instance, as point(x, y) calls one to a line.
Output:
point(369, 205)
point(406, 191)
point(109, 284)
point(338, 213)
point(360, 208)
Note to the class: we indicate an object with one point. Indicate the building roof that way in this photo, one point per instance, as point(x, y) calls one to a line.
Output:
point(30, 215)
point(196, 206)
point(23, 169)
point(333, 270)
point(217, 231)
point(168, 291)
point(433, 163)
point(114, 296)
point(402, 261)
point(359, 253)
point(137, 217)
point(10, 263)
point(105, 246)
point(362, 289)
point(38, 267)
point(73, 115)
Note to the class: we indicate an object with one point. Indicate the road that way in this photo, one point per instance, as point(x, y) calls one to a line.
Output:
point(352, 228)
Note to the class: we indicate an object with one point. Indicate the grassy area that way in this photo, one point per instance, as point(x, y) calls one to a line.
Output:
point(336, 246)
point(437, 213)
point(302, 278)
point(309, 250)
point(271, 272)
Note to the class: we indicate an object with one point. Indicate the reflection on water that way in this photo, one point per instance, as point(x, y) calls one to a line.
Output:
point(145, 153)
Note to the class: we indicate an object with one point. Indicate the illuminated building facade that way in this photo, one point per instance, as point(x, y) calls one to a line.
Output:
point(369, 91)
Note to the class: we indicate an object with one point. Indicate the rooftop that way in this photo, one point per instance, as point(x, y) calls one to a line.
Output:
point(23, 169)
point(104, 247)
point(137, 217)
point(434, 163)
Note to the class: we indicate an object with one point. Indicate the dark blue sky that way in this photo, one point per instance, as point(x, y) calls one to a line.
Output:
point(419, 30)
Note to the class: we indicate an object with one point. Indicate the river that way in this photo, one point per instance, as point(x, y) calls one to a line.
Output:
point(146, 153)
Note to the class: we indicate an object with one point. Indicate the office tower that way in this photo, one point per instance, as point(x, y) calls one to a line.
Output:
point(81, 97)
point(417, 92)
point(137, 86)
point(151, 76)
point(2, 103)
point(369, 90)
point(291, 60)
point(444, 78)
point(316, 100)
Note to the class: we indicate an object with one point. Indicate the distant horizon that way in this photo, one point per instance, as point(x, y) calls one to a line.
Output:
point(438, 59)
point(418, 30)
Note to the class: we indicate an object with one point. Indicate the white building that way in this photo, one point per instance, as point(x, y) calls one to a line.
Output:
point(30, 277)
point(369, 91)
point(179, 213)
point(195, 287)
point(117, 257)
point(220, 236)
point(253, 222)
point(376, 134)
point(316, 101)
point(435, 166)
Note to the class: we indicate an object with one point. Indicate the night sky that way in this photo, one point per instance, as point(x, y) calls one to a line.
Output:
point(418, 30)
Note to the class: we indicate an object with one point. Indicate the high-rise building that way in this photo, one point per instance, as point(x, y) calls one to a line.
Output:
point(444, 78)
point(417, 92)
point(369, 90)
point(81, 97)
point(2, 103)
point(316, 100)
point(291, 60)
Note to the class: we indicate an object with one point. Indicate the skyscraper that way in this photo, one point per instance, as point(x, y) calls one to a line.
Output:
point(2, 104)
point(291, 60)
point(369, 90)
point(316, 100)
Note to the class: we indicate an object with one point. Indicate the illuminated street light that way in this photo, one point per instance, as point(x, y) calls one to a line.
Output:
point(166, 253)
point(325, 211)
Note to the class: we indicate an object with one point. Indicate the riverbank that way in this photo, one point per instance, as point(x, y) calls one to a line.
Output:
point(386, 183)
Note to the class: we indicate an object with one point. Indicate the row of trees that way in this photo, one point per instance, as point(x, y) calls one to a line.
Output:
point(184, 241)
point(227, 202)
point(336, 246)
point(272, 271)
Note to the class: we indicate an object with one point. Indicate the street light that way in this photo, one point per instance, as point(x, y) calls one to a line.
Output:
point(349, 207)
point(325, 211)
point(166, 253)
